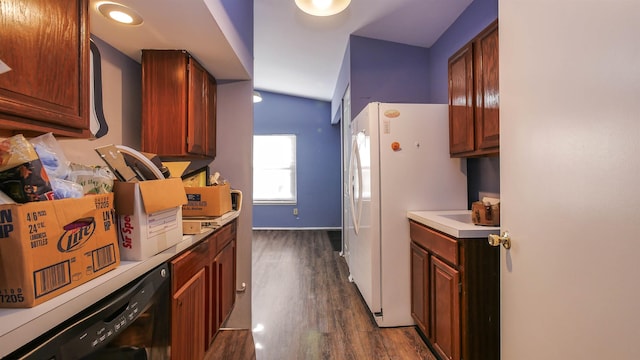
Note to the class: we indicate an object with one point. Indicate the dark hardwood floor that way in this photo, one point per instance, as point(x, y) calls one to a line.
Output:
point(304, 307)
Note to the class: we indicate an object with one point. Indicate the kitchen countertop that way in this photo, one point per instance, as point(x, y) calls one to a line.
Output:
point(18, 326)
point(456, 223)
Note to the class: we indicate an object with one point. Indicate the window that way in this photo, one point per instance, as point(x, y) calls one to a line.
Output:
point(274, 169)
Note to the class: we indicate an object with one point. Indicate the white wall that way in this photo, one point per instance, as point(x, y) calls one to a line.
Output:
point(234, 162)
point(121, 81)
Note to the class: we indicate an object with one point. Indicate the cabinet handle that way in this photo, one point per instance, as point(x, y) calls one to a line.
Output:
point(496, 240)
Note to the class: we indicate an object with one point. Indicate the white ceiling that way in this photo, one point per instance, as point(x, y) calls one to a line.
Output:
point(294, 53)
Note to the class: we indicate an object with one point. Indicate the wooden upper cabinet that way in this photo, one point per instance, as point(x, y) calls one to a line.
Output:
point(487, 89)
point(178, 105)
point(212, 92)
point(197, 112)
point(45, 44)
point(474, 97)
point(461, 120)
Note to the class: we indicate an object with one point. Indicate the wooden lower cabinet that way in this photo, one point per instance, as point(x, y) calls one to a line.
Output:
point(445, 309)
point(420, 288)
point(222, 294)
point(187, 331)
point(455, 292)
point(226, 262)
point(203, 293)
point(212, 317)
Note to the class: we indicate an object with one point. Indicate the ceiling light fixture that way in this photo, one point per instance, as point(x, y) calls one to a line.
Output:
point(119, 13)
point(322, 7)
point(256, 97)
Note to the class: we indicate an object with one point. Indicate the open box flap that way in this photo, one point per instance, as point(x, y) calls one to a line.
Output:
point(124, 197)
point(162, 194)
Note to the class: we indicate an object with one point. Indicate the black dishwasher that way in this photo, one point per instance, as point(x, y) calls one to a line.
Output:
point(132, 323)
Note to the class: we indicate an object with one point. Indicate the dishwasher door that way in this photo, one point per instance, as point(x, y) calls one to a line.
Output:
point(132, 323)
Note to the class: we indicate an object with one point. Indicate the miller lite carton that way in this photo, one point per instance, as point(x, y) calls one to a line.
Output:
point(50, 247)
point(149, 216)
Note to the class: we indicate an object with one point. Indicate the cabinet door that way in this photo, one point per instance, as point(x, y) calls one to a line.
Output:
point(487, 89)
point(420, 287)
point(461, 112)
point(178, 105)
point(226, 261)
point(190, 296)
point(445, 309)
point(164, 102)
point(197, 113)
point(212, 301)
point(219, 263)
point(45, 43)
point(187, 314)
point(212, 96)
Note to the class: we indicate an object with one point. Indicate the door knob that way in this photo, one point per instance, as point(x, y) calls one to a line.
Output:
point(496, 240)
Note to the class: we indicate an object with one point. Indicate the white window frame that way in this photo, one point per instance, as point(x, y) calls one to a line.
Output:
point(274, 167)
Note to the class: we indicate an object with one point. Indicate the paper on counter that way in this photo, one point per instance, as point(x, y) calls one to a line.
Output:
point(491, 201)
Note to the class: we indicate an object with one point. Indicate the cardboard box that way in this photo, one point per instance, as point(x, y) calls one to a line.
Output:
point(149, 216)
point(207, 201)
point(487, 215)
point(193, 226)
point(50, 247)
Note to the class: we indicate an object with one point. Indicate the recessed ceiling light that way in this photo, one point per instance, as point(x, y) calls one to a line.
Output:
point(119, 13)
point(321, 4)
point(322, 7)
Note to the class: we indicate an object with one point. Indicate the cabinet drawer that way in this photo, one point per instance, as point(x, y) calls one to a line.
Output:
point(188, 264)
point(434, 242)
point(225, 235)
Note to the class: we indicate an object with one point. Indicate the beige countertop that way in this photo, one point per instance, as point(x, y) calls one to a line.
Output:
point(456, 223)
point(19, 326)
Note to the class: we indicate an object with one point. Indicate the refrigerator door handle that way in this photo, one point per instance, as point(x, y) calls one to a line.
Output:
point(355, 215)
point(359, 167)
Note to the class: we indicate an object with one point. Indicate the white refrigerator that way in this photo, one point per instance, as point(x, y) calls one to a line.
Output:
point(399, 162)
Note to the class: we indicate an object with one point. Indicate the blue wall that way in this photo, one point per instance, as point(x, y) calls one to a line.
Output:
point(366, 68)
point(387, 72)
point(318, 161)
point(377, 71)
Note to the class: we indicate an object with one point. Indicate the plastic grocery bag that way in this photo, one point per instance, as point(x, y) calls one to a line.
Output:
point(22, 176)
